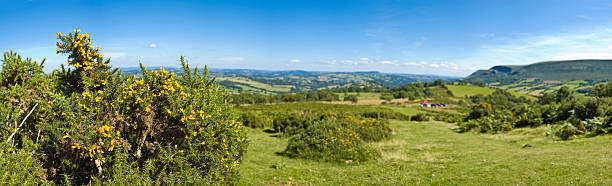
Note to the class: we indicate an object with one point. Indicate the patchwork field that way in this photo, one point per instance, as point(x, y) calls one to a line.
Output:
point(248, 85)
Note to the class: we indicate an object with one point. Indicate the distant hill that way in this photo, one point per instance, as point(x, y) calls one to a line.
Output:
point(594, 70)
point(545, 76)
point(275, 82)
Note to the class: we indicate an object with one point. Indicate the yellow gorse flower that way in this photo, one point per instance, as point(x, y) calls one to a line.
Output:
point(85, 94)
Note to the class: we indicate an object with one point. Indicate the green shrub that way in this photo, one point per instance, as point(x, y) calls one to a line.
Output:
point(252, 119)
point(468, 125)
point(386, 97)
point(368, 129)
point(564, 130)
point(20, 166)
point(23, 84)
point(352, 98)
point(383, 114)
point(328, 140)
point(527, 116)
point(498, 121)
point(419, 117)
point(598, 125)
point(93, 125)
point(293, 122)
point(480, 110)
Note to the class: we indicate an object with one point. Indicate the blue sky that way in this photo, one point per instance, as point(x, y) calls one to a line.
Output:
point(420, 37)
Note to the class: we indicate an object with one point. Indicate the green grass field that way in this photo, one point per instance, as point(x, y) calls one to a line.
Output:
point(471, 90)
point(431, 153)
point(468, 90)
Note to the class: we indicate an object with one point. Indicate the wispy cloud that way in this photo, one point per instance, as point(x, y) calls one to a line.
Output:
point(474, 68)
point(387, 62)
point(525, 48)
point(295, 61)
point(153, 45)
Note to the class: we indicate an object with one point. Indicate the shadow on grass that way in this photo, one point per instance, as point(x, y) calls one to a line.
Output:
point(283, 153)
point(273, 132)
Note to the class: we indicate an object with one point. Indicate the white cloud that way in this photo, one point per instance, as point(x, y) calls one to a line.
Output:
point(350, 62)
point(450, 66)
point(526, 49)
point(387, 62)
point(295, 61)
point(231, 59)
point(412, 64)
point(474, 68)
point(330, 62)
point(153, 45)
point(432, 65)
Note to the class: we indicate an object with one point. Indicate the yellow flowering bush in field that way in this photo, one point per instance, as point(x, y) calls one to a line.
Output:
point(328, 140)
point(369, 129)
point(89, 124)
point(188, 114)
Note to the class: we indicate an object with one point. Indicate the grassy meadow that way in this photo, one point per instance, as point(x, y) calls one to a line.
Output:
point(472, 90)
point(432, 153)
point(468, 90)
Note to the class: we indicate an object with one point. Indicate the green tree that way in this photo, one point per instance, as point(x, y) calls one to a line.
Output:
point(352, 98)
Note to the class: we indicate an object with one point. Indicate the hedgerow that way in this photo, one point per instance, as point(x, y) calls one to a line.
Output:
point(90, 124)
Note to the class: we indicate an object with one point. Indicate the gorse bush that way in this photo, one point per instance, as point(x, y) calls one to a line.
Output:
point(331, 136)
point(93, 125)
point(480, 110)
point(368, 129)
point(293, 122)
point(20, 166)
point(328, 140)
point(22, 85)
